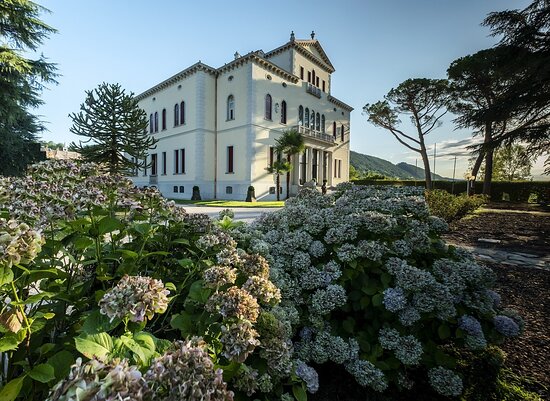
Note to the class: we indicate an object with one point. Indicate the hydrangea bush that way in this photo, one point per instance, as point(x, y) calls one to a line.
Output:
point(94, 268)
point(366, 283)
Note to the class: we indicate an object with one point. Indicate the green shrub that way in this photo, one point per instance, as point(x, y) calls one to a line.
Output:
point(451, 207)
point(369, 286)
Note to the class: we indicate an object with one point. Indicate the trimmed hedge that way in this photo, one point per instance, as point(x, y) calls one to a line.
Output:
point(518, 191)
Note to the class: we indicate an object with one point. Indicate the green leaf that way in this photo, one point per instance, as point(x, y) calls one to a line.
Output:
point(171, 287)
point(128, 254)
point(444, 360)
point(9, 342)
point(348, 325)
point(96, 322)
point(81, 243)
point(377, 299)
point(98, 345)
point(444, 331)
point(299, 393)
point(11, 390)
point(134, 348)
point(182, 322)
point(35, 298)
point(45, 348)
point(109, 224)
point(6, 275)
point(386, 279)
point(61, 363)
point(188, 263)
point(198, 293)
point(147, 344)
point(42, 373)
point(182, 241)
point(142, 228)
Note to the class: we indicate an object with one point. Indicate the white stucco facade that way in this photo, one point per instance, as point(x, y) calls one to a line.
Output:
point(222, 140)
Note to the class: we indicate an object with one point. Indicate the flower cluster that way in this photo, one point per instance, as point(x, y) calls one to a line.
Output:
point(217, 276)
point(97, 381)
point(135, 298)
point(235, 302)
point(186, 372)
point(239, 340)
point(445, 381)
point(372, 255)
point(308, 375)
point(18, 243)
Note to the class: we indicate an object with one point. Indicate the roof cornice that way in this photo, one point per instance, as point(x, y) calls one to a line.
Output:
point(300, 45)
point(339, 103)
point(199, 66)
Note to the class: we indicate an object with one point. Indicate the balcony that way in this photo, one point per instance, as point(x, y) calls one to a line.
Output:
point(313, 90)
point(311, 133)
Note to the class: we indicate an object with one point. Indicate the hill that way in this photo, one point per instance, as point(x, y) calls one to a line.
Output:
point(365, 163)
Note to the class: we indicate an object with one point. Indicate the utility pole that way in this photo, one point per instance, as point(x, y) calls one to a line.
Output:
point(433, 176)
point(453, 184)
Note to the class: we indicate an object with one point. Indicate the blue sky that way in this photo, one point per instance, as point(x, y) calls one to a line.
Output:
point(373, 44)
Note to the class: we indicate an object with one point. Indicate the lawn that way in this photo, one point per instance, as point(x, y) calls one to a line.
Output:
point(230, 204)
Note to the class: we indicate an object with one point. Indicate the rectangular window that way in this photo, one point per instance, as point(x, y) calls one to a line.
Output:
point(324, 86)
point(154, 164)
point(342, 133)
point(271, 150)
point(301, 72)
point(176, 161)
point(335, 168)
point(339, 168)
point(163, 163)
point(309, 76)
point(182, 161)
point(230, 159)
point(317, 81)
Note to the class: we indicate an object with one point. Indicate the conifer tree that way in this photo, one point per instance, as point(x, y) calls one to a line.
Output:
point(116, 129)
point(21, 81)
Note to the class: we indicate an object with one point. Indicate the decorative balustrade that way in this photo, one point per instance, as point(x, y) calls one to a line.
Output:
point(313, 90)
point(311, 133)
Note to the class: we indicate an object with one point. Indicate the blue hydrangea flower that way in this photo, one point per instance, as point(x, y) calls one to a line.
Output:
point(308, 375)
point(394, 299)
point(445, 381)
point(506, 326)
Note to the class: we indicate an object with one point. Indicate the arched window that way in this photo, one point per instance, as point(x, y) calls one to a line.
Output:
point(318, 122)
point(306, 119)
point(334, 129)
point(342, 132)
point(301, 115)
point(230, 107)
point(323, 123)
point(312, 120)
point(163, 118)
point(176, 115)
point(156, 121)
point(182, 112)
point(151, 126)
point(283, 112)
point(313, 77)
point(268, 106)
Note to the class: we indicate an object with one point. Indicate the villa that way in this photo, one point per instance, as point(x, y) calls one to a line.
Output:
point(216, 127)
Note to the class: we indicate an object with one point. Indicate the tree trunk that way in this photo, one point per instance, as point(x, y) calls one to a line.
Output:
point(427, 171)
point(288, 178)
point(488, 161)
point(278, 184)
point(475, 170)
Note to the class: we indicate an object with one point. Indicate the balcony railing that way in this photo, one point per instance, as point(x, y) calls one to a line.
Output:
point(311, 133)
point(312, 89)
point(153, 179)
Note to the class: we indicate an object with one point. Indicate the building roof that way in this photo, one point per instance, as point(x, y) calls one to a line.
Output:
point(319, 57)
point(199, 66)
point(339, 103)
point(302, 46)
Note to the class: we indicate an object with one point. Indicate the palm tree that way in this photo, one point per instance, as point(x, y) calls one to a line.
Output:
point(290, 143)
point(279, 167)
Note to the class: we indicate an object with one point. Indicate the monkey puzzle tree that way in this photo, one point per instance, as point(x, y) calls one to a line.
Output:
point(115, 127)
point(424, 101)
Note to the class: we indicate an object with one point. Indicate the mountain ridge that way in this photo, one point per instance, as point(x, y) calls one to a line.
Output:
point(366, 163)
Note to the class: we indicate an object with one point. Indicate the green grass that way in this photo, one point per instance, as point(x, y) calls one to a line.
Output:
point(230, 204)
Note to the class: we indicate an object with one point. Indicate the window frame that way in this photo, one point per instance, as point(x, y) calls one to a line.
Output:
point(268, 107)
point(230, 165)
point(176, 114)
point(283, 112)
point(230, 108)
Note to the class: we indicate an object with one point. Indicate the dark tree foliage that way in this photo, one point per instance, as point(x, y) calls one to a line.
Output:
point(424, 101)
point(21, 82)
point(477, 83)
point(526, 105)
point(116, 129)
